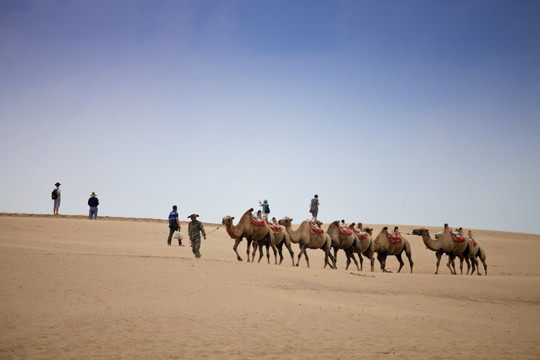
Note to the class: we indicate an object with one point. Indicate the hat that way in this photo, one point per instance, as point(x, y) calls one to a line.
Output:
point(193, 215)
point(93, 194)
point(57, 184)
point(265, 201)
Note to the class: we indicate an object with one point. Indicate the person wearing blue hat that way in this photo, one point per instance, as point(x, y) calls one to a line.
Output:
point(265, 209)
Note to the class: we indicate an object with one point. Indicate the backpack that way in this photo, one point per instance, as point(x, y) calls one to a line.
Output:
point(54, 194)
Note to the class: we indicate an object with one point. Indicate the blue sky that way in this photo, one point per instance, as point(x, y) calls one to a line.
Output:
point(393, 112)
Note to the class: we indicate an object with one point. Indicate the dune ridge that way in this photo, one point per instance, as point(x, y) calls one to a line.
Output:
point(75, 288)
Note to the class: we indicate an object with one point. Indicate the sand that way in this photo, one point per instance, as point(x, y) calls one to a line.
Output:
point(112, 289)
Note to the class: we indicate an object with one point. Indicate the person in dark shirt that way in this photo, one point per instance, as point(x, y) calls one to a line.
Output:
point(174, 224)
point(93, 202)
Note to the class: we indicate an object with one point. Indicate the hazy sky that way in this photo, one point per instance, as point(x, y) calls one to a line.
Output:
point(393, 112)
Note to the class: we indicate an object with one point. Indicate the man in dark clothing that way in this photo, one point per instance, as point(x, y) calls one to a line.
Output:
point(174, 224)
point(93, 202)
point(194, 229)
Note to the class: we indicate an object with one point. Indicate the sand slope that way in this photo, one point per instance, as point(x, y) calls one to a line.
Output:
point(112, 289)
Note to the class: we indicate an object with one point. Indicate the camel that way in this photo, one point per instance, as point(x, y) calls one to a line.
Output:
point(478, 252)
point(391, 244)
point(343, 239)
point(364, 246)
point(446, 243)
point(309, 237)
point(247, 229)
point(281, 238)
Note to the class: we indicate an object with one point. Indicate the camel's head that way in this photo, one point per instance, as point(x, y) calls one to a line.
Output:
point(286, 221)
point(369, 230)
point(227, 220)
point(420, 232)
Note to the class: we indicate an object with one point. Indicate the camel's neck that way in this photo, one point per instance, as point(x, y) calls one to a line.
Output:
point(429, 242)
point(293, 234)
point(231, 230)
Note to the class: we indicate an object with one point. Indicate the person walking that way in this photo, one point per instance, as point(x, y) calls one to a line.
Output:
point(265, 209)
point(56, 196)
point(93, 202)
point(195, 228)
point(174, 224)
point(314, 207)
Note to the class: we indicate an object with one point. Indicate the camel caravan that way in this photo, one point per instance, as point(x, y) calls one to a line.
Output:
point(354, 240)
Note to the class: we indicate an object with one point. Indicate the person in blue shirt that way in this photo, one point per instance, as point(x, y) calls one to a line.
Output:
point(174, 224)
point(265, 209)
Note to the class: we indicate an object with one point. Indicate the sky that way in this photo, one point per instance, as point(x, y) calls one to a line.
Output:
point(393, 112)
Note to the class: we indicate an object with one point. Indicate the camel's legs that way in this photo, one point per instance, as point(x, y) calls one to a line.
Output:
point(260, 247)
point(272, 241)
point(350, 254)
point(261, 253)
point(248, 248)
point(238, 257)
point(401, 263)
point(289, 247)
point(280, 252)
point(335, 254)
point(371, 259)
point(409, 256)
point(307, 258)
point(450, 263)
point(302, 251)
point(483, 259)
point(361, 258)
point(275, 255)
point(439, 256)
point(474, 262)
point(328, 254)
point(382, 261)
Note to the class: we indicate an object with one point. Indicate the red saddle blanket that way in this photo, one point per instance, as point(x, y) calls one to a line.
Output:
point(257, 221)
point(457, 238)
point(275, 228)
point(361, 234)
point(473, 241)
point(316, 230)
point(344, 231)
point(394, 238)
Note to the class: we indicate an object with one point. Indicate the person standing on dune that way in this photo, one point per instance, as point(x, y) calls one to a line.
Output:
point(195, 228)
point(174, 224)
point(93, 202)
point(56, 196)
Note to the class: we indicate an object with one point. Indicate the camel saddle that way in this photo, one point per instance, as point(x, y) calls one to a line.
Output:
point(344, 231)
point(275, 228)
point(394, 238)
point(473, 241)
point(316, 230)
point(361, 234)
point(457, 238)
point(257, 222)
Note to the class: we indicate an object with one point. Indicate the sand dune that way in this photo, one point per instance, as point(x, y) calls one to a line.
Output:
point(112, 289)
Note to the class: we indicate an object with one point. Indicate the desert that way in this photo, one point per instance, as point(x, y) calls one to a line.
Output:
point(112, 289)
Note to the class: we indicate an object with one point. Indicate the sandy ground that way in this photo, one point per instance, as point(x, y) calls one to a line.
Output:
point(111, 289)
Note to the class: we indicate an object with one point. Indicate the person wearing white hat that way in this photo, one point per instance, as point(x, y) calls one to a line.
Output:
point(93, 202)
